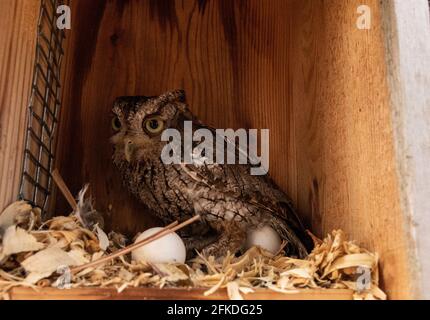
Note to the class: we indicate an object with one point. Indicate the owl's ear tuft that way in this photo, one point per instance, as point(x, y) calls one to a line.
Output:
point(173, 96)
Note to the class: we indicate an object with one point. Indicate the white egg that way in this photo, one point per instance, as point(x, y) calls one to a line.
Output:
point(265, 237)
point(167, 249)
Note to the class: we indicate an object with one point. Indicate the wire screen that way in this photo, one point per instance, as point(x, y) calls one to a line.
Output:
point(43, 108)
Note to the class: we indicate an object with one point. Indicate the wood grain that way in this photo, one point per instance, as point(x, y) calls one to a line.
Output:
point(409, 81)
point(300, 68)
point(346, 172)
point(18, 22)
point(171, 294)
point(230, 57)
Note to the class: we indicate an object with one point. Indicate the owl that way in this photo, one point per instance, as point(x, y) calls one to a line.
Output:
point(228, 198)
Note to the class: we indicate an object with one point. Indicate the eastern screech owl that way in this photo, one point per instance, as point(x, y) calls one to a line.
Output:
point(229, 199)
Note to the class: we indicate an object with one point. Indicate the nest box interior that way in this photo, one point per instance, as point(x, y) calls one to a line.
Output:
point(300, 68)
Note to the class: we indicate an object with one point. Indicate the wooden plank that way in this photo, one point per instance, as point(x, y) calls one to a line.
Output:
point(17, 50)
point(346, 166)
point(170, 294)
point(409, 82)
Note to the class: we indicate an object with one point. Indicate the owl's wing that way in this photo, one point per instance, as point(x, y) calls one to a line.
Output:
point(235, 180)
point(230, 177)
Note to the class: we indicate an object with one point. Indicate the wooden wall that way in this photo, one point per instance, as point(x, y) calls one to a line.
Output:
point(231, 57)
point(300, 68)
point(409, 81)
point(346, 167)
point(18, 21)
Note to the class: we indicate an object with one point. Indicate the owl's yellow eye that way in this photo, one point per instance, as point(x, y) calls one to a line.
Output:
point(153, 125)
point(116, 124)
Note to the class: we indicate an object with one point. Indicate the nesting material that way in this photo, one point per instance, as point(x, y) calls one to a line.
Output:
point(35, 254)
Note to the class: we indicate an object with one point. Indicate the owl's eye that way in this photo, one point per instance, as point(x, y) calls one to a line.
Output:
point(116, 124)
point(153, 125)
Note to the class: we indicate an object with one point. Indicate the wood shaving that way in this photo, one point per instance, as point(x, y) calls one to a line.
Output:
point(44, 263)
point(17, 240)
point(12, 213)
point(233, 291)
point(35, 254)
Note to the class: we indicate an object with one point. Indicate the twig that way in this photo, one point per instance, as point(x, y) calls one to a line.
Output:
point(166, 230)
point(64, 190)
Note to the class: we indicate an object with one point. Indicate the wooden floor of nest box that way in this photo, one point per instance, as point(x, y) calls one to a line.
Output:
point(171, 294)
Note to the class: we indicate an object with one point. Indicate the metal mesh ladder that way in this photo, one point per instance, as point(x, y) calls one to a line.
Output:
point(43, 108)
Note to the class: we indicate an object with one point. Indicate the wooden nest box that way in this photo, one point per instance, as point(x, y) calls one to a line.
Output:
point(347, 106)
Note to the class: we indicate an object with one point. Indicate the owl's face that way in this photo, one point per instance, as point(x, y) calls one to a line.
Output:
point(140, 121)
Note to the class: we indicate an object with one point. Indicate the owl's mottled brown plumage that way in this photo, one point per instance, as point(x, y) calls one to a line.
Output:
point(230, 200)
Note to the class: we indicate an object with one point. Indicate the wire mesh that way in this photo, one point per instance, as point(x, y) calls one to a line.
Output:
point(43, 108)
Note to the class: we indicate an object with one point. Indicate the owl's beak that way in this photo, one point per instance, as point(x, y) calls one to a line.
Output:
point(128, 150)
